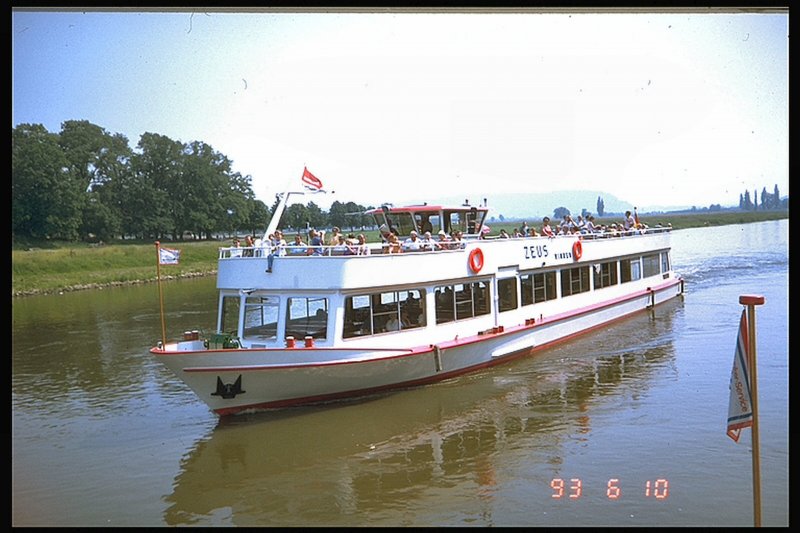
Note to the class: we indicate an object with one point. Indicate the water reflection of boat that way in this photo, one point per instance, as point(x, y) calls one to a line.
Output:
point(328, 324)
point(325, 465)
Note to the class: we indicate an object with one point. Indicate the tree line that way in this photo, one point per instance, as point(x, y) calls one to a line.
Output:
point(768, 201)
point(86, 184)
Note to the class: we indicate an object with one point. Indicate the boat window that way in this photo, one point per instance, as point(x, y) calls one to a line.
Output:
point(427, 221)
point(229, 319)
point(453, 222)
point(307, 317)
point(383, 312)
point(261, 317)
point(605, 274)
point(630, 270)
point(650, 265)
point(636, 269)
point(507, 291)
point(574, 280)
point(538, 287)
point(357, 317)
point(400, 223)
point(462, 300)
point(664, 261)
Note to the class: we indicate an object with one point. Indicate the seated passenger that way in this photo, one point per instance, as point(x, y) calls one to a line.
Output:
point(334, 238)
point(413, 243)
point(444, 241)
point(298, 247)
point(392, 324)
point(457, 242)
point(278, 248)
point(394, 246)
point(361, 247)
point(237, 248)
point(339, 246)
point(248, 246)
point(580, 224)
point(428, 244)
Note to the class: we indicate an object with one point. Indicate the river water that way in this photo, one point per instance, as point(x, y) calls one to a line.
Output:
point(622, 427)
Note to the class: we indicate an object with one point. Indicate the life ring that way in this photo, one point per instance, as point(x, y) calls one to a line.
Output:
point(475, 260)
point(577, 250)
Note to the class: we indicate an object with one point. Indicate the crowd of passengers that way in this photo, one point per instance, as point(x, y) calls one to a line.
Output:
point(339, 244)
point(582, 226)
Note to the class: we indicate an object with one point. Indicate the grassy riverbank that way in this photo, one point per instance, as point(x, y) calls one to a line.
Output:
point(43, 268)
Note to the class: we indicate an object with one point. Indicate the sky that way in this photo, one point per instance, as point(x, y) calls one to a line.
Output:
point(658, 109)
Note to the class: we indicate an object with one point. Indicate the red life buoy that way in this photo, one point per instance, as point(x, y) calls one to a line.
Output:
point(577, 250)
point(476, 260)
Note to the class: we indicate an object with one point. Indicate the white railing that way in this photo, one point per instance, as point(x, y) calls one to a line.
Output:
point(381, 248)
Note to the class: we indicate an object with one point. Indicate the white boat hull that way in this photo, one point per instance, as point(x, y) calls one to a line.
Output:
point(243, 379)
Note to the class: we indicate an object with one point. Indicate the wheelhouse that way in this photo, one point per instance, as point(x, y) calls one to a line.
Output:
point(467, 219)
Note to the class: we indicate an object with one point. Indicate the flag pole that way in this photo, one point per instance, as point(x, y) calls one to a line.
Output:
point(160, 294)
point(751, 301)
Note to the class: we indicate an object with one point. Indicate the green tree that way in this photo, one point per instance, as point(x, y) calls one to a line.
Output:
point(601, 208)
point(259, 217)
point(352, 215)
point(748, 203)
point(296, 217)
point(155, 176)
point(559, 212)
point(96, 159)
point(209, 189)
point(44, 203)
point(317, 218)
point(337, 214)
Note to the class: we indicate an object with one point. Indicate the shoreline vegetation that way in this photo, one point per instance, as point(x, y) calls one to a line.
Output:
point(54, 268)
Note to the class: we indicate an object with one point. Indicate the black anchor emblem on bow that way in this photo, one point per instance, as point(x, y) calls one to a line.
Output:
point(229, 390)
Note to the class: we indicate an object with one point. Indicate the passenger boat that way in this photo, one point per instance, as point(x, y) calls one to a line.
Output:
point(317, 328)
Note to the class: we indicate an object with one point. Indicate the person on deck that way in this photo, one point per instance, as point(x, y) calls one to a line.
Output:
point(413, 243)
point(546, 229)
point(361, 247)
point(278, 248)
point(314, 243)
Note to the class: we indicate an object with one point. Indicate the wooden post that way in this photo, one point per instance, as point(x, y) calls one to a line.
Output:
point(160, 295)
point(751, 301)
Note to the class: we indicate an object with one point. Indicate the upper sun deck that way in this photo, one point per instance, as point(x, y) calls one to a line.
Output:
point(245, 268)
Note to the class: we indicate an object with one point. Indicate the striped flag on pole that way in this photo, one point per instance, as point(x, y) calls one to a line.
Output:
point(167, 256)
point(311, 182)
point(740, 405)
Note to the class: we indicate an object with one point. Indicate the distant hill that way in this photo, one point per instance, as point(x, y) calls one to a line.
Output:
point(535, 206)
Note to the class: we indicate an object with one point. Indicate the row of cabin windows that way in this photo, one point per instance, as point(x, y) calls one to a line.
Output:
point(387, 311)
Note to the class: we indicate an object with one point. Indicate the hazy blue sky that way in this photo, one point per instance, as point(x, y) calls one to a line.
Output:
point(657, 109)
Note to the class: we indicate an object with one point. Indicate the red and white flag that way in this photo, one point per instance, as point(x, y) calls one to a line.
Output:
point(168, 256)
point(311, 182)
point(740, 410)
